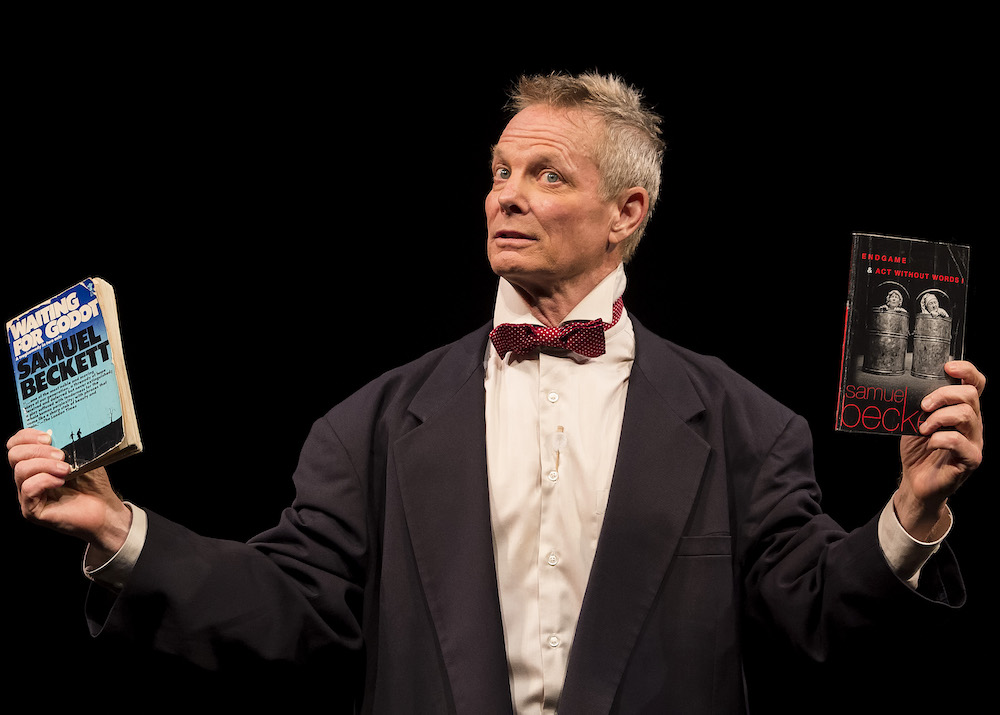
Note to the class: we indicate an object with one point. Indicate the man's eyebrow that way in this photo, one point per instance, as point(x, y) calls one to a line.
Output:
point(543, 159)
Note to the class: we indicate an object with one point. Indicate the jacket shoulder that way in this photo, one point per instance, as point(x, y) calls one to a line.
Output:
point(711, 377)
point(432, 377)
point(706, 391)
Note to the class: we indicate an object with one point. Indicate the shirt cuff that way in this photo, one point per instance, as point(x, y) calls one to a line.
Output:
point(113, 573)
point(904, 554)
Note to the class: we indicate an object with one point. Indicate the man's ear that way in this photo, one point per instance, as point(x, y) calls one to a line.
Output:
point(632, 207)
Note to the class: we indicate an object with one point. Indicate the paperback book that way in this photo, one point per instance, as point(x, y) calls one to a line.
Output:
point(69, 372)
point(906, 317)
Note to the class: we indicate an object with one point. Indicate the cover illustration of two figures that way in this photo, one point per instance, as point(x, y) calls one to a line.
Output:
point(906, 317)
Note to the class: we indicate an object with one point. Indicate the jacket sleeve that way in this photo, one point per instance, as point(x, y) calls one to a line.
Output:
point(292, 595)
point(827, 591)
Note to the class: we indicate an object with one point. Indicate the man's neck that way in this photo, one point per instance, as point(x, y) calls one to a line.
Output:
point(550, 307)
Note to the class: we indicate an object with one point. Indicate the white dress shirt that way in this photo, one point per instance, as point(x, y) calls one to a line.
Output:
point(552, 427)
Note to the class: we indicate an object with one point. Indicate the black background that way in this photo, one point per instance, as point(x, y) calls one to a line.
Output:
point(265, 195)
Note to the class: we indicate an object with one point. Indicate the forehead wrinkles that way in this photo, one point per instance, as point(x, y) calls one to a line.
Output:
point(546, 133)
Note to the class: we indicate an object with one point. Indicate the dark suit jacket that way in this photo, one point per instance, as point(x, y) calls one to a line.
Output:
point(382, 568)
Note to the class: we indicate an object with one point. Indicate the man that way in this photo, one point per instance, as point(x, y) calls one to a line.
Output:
point(592, 523)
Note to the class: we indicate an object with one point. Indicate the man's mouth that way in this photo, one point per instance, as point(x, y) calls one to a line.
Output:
point(511, 238)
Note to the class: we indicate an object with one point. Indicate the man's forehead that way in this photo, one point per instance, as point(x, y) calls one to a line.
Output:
point(544, 130)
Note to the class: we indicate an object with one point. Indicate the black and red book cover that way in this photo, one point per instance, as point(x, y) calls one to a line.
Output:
point(906, 316)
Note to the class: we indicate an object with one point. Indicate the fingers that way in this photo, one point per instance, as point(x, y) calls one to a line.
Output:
point(967, 373)
point(29, 467)
point(954, 421)
point(26, 438)
point(37, 465)
point(30, 451)
point(964, 450)
point(955, 417)
point(967, 393)
point(956, 407)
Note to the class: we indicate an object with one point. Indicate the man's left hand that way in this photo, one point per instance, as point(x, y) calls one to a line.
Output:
point(948, 450)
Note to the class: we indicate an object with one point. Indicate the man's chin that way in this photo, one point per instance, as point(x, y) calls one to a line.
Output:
point(512, 268)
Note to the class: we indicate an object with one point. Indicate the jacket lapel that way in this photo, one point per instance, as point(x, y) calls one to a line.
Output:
point(657, 475)
point(441, 467)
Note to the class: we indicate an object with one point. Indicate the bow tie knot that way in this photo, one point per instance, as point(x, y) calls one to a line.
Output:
point(583, 337)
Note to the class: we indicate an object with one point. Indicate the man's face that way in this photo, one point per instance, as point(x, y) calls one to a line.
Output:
point(548, 227)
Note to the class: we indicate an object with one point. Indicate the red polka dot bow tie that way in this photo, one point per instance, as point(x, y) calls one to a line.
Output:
point(585, 337)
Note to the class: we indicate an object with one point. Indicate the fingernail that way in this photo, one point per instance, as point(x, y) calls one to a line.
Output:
point(45, 438)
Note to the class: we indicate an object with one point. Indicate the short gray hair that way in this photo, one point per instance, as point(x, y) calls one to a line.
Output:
point(631, 151)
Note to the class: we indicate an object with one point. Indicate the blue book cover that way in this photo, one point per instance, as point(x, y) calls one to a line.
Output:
point(69, 374)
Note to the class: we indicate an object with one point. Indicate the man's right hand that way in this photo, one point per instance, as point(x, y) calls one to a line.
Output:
point(83, 505)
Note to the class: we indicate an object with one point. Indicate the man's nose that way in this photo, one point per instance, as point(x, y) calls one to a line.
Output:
point(511, 198)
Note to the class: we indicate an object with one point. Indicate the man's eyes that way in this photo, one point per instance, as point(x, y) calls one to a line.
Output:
point(549, 177)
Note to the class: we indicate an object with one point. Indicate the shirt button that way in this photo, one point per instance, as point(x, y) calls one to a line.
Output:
point(553, 396)
point(553, 558)
point(554, 641)
point(553, 476)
